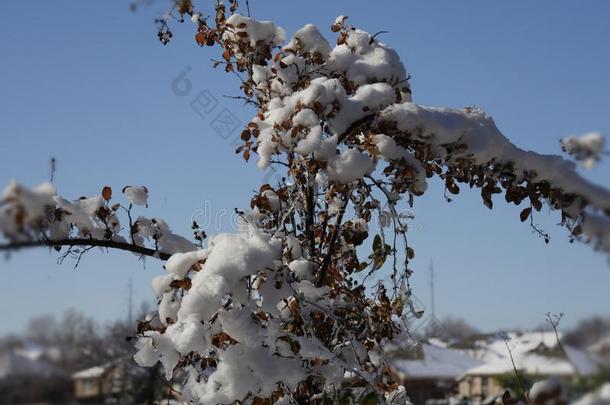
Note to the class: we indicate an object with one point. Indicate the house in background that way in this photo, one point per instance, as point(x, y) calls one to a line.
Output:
point(101, 383)
point(121, 382)
point(537, 355)
point(28, 375)
point(14, 364)
point(429, 371)
point(28, 359)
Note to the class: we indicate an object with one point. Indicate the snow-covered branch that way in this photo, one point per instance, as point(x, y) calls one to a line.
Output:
point(39, 217)
point(280, 312)
point(72, 242)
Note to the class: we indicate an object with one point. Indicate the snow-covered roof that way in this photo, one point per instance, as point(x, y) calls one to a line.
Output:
point(494, 349)
point(92, 372)
point(437, 362)
point(528, 350)
point(581, 361)
point(599, 397)
point(16, 363)
point(31, 350)
point(530, 364)
point(36, 351)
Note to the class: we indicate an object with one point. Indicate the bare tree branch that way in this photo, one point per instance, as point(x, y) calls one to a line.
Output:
point(110, 244)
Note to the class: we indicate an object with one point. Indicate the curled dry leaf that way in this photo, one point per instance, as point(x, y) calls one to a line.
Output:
point(107, 193)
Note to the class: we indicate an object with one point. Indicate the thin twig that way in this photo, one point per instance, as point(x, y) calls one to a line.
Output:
point(331, 247)
point(512, 360)
point(554, 320)
point(53, 169)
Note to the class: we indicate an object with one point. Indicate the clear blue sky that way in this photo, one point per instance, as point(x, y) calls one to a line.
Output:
point(88, 83)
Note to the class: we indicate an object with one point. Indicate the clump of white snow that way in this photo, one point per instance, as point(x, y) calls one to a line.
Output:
point(137, 195)
point(586, 149)
point(549, 391)
point(309, 40)
point(351, 165)
point(263, 31)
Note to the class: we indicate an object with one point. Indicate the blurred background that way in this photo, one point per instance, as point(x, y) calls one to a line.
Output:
point(88, 86)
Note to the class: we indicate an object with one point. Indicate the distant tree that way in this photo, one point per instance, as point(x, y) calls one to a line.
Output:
point(82, 342)
point(294, 307)
point(451, 330)
point(587, 332)
point(43, 329)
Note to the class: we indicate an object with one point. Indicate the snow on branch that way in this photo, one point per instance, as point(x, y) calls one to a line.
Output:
point(348, 110)
point(40, 217)
point(586, 149)
point(471, 136)
point(288, 308)
point(473, 151)
point(276, 304)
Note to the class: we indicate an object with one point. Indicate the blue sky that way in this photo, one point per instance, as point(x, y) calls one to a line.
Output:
point(89, 83)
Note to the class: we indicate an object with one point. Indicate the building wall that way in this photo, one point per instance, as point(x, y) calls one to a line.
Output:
point(479, 387)
point(114, 382)
point(464, 387)
point(87, 388)
point(111, 383)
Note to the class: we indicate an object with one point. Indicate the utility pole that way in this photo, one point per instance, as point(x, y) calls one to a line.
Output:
point(130, 304)
point(432, 303)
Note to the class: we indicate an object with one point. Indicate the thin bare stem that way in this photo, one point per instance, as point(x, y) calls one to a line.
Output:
point(517, 376)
